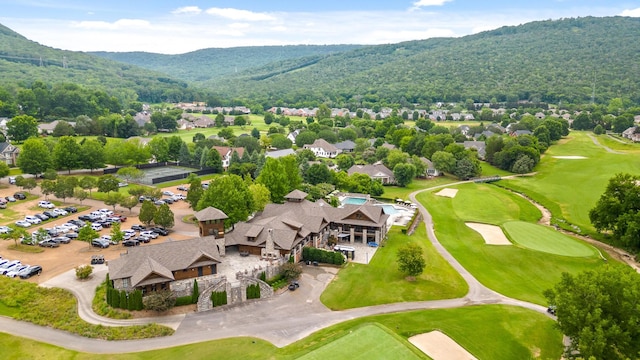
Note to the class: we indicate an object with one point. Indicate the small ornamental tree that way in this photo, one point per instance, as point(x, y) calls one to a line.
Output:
point(87, 234)
point(83, 272)
point(410, 260)
point(164, 217)
point(195, 293)
point(117, 235)
point(159, 301)
point(147, 212)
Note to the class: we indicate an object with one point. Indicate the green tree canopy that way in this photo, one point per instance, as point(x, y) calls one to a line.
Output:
point(35, 157)
point(410, 260)
point(92, 155)
point(274, 177)
point(67, 154)
point(230, 194)
point(164, 217)
point(22, 127)
point(147, 212)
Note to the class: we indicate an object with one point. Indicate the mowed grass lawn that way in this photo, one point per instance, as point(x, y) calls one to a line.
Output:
point(489, 332)
point(366, 342)
point(511, 270)
point(380, 281)
point(541, 238)
point(570, 188)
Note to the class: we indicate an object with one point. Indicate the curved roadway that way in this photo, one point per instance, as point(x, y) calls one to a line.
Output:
point(281, 320)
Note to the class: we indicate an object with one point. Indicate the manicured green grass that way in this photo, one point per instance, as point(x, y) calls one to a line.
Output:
point(380, 281)
point(488, 332)
point(367, 342)
point(511, 270)
point(570, 188)
point(611, 142)
point(391, 193)
point(541, 238)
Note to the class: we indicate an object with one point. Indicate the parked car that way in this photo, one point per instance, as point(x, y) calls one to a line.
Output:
point(160, 230)
point(32, 219)
point(60, 212)
point(159, 202)
point(5, 230)
point(3, 204)
point(48, 243)
point(71, 226)
point(13, 272)
point(61, 239)
point(45, 204)
point(20, 195)
point(23, 223)
point(106, 212)
point(78, 223)
point(168, 201)
point(97, 259)
point(100, 243)
point(149, 233)
point(51, 214)
point(138, 227)
point(12, 180)
point(42, 217)
point(143, 239)
point(123, 184)
point(71, 235)
point(71, 209)
point(96, 226)
point(104, 223)
point(10, 198)
point(10, 267)
point(183, 188)
point(121, 217)
point(131, 242)
point(294, 285)
point(32, 270)
point(167, 193)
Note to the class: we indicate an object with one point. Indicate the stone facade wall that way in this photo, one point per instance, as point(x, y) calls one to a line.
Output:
point(185, 287)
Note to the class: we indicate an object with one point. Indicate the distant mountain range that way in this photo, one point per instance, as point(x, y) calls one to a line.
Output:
point(568, 60)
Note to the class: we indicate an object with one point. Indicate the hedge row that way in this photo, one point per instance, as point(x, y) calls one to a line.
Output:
point(219, 298)
point(322, 256)
point(253, 292)
point(123, 300)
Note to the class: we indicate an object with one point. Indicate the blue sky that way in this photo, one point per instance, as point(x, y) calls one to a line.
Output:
point(173, 27)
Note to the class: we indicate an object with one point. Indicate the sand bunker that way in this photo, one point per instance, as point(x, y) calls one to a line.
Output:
point(491, 234)
point(448, 192)
point(439, 346)
point(572, 157)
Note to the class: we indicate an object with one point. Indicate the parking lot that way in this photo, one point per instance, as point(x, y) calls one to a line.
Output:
point(55, 261)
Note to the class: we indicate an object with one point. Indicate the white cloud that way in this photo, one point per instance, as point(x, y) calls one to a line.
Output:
point(631, 12)
point(116, 25)
point(239, 15)
point(187, 10)
point(424, 3)
point(239, 25)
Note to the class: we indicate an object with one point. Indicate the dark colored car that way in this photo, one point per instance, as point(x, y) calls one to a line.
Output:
point(100, 243)
point(138, 227)
point(105, 223)
point(42, 217)
point(33, 270)
point(294, 285)
point(71, 209)
point(143, 239)
point(71, 235)
point(61, 239)
point(131, 242)
point(97, 259)
point(78, 223)
point(86, 217)
point(51, 214)
point(160, 230)
point(48, 243)
point(20, 195)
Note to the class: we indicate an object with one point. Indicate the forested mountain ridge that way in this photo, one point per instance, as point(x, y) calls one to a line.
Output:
point(22, 62)
point(214, 63)
point(554, 61)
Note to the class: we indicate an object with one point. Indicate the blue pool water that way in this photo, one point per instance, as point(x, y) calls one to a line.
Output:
point(354, 200)
point(389, 209)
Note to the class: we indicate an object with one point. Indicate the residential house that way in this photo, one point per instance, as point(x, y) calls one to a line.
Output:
point(520, 132)
point(203, 122)
point(159, 266)
point(487, 134)
point(211, 223)
point(431, 171)
point(279, 153)
point(632, 133)
point(229, 120)
point(9, 153)
point(142, 118)
point(464, 129)
point(226, 153)
point(479, 146)
point(346, 146)
point(321, 148)
point(293, 135)
point(375, 171)
point(47, 128)
point(284, 229)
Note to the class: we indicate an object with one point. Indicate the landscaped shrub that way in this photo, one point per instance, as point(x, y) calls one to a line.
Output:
point(159, 301)
point(196, 292)
point(123, 300)
point(83, 272)
point(137, 300)
point(253, 292)
point(219, 298)
point(322, 256)
point(184, 300)
point(263, 276)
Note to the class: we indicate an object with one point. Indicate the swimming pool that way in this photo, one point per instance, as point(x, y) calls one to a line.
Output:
point(389, 209)
point(350, 200)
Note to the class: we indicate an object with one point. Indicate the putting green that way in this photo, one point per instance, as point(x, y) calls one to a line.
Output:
point(368, 342)
point(540, 238)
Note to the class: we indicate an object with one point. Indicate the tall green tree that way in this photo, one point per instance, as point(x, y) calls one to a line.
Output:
point(261, 196)
point(599, 311)
point(4, 169)
point(65, 186)
point(88, 183)
point(22, 127)
point(92, 154)
point(147, 212)
point(164, 217)
point(213, 160)
point(159, 148)
point(108, 183)
point(195, 191)
point(87, 234)
point(34, 157)
point(230, 194)
point(117, 235)
point(274, 177)
point(404, 174)
point(130, 173)
point(67, 154)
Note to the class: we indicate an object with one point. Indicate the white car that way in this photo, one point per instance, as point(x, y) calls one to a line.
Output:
point(61, 229)
point(168, 193)
point(106, 212)
point(60, 212)
point(96, 226)
point(16, 270)
point(5, 229)
point(32, 219)
point(23, 223)
point(70, 226)
point(150, 234)
point(46, 205)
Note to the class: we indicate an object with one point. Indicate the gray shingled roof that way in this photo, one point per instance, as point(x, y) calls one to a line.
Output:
point(210, 213)
point(160, 260)
point(296, 194)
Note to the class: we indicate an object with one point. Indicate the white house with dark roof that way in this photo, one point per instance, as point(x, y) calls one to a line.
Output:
point(375, 171)
point(322, 148)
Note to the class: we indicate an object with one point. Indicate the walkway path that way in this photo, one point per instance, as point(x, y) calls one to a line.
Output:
point(608, 149)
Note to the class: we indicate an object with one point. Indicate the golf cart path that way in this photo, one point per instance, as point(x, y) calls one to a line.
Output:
point(608, 149)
